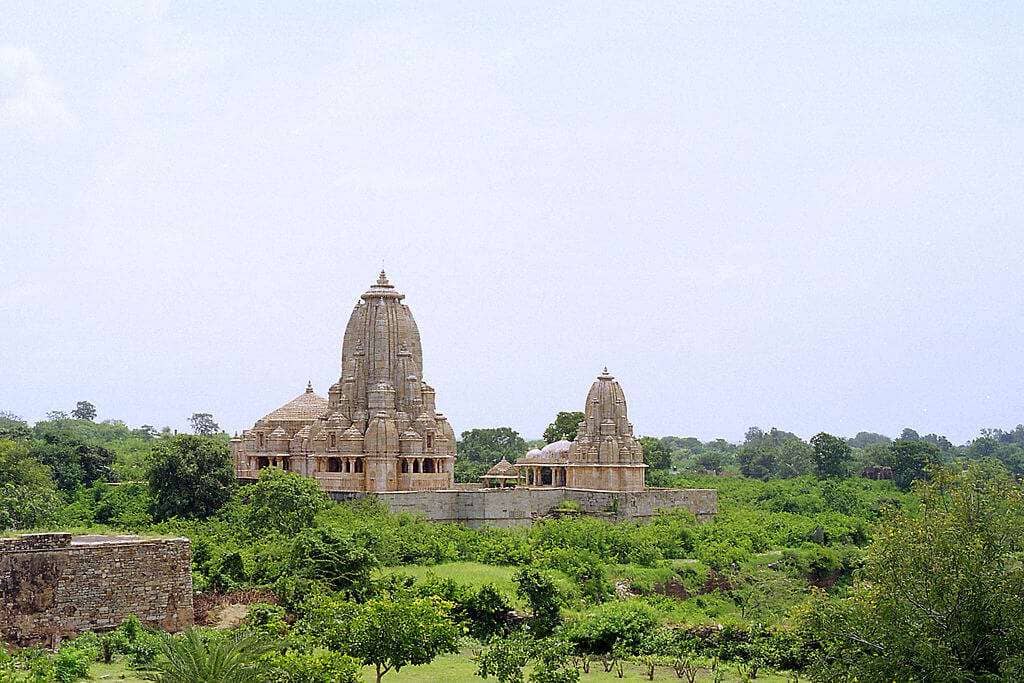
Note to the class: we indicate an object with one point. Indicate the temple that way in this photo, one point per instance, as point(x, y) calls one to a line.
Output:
point(378, 429)
point(604, 455)
point(378, 434)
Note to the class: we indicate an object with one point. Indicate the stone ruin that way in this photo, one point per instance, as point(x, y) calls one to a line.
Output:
point(54, 585)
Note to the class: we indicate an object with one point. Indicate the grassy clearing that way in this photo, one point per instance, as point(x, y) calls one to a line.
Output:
point(461, 667)
point(117, 671)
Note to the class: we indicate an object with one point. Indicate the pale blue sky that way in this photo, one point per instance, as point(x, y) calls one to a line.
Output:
point(806, 216)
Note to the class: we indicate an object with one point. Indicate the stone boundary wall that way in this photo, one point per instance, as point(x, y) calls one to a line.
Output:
point(520, 506)
point(54, 586)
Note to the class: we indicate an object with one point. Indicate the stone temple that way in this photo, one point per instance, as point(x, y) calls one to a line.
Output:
point(378, 429)
point(604, 454)
point(378, 433)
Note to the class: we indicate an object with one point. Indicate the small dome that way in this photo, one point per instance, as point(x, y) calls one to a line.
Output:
point(502, 468)
point(531, 456)
point(557, 447)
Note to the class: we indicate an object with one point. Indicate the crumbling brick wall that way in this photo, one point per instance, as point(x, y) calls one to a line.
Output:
point(54, 586)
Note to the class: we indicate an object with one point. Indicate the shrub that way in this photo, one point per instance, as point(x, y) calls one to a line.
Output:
point(284, 502)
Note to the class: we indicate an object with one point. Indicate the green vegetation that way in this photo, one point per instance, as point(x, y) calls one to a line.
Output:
point(806, 571)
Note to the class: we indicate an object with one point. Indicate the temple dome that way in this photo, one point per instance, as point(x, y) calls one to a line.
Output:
point(305, 406)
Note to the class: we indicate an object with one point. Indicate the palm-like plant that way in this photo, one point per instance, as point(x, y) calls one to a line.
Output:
point(191, 658)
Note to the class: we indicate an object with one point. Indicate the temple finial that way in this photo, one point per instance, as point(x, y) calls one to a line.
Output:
point(309, 387)
point(382, 279)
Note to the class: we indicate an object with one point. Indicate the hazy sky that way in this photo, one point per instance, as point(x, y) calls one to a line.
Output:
point(807, 217)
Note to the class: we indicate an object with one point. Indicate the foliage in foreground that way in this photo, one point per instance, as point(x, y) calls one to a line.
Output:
point(941, 596)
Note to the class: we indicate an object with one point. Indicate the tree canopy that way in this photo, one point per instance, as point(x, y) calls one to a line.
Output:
point(190, 476)
point(564, 427)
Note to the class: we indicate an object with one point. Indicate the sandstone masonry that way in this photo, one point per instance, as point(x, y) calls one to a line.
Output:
point(55, 586)
point(521, 506)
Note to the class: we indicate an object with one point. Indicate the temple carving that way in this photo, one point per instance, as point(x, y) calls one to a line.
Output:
point(378, 429)
point(604, 455)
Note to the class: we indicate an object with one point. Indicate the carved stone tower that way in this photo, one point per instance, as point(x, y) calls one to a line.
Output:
point(379, 430)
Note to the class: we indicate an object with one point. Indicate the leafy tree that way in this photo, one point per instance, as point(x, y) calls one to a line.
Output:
point(203, 424)
point(74, 462)
point(189, 477)
point(941, 596)
point(910, 461)
point(28, 496)
point(147, 432)
point(488, 612)
point(192, 657)
point(773, 454)
point(865, 439)
point(564, 427)
point(909, 434)
point(656, 455)
point(283, 501)
point(540, 592)
point(334, 557)
point(480, 448)
point(793, 458)
point(675, 443)
point(628, 624)
point(831, 455)
point(505, 658)
point(392, 632)
point(491, 445)
point(57, 415)
point(714, 460)
point(84, 411)
point(13, 427)
point(317, 666)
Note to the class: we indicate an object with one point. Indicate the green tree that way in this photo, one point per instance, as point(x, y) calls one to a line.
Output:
point(191, 657)
point(505, 658)
point(865, 439)
point(656, 454)
point(283, 501)
point(189, 477)
point(13, 427)
point(74, 462)
point(910, 460)
point(478, 449)
point(537, 588)
point(941, 595)
point(203, 424)
point(84, 411)
point(334, 557)
point(564, 427)
point(28, 496)
point(491, 445)
point(392, 632)
point(831, 456)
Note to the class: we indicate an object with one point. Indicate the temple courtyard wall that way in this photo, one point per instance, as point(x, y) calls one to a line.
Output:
point(521, 506)
point(55, 585)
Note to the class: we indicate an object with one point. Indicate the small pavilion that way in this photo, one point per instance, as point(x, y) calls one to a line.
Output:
point(501, 475)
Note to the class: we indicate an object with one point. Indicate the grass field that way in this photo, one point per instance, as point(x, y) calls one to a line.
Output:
point(460, 667)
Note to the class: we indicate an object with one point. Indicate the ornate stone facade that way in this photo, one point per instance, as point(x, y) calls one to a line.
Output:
point(378, 429)
point(604, 455)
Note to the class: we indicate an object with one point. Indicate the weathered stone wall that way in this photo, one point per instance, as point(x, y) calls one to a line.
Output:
point(53, 586)
point(521, 506)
